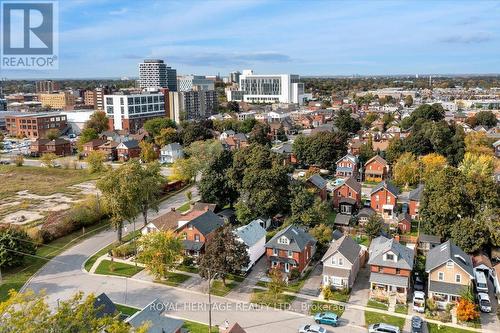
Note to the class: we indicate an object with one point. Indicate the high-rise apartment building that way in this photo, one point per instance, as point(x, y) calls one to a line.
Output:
point(171, 79)
point(89, 97)
point(154, 74)
point(192, 105)
point(187, 82)
point(99, 93)
point(234, 77)
point(46, 86)
point(61, 101)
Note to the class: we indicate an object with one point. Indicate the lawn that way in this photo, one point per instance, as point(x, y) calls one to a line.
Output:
point(377, 305)
point(185, 207)
point(331, 217)
point(16, 278)
point(126, 310)
point(219, 289)
point(263, 297)
point(401, 308)
point(193, 327)
point(436, 328)
point(41, 181)
point(174, 279)
point(106, 267)
point(318, 306)
point(374, 318)
point(189, 269)
point(338, 295)
point(362, 240)
point(295, 286)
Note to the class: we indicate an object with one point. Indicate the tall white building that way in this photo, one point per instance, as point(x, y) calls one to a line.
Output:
point(187, 82)
point(154, 74)
point(270, 88)
point(192, 105)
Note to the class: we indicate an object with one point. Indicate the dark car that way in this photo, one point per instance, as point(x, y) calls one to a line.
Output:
point(419, 284)
point(416, 324)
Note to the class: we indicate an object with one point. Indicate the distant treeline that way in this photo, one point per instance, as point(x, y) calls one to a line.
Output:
point(28, 86)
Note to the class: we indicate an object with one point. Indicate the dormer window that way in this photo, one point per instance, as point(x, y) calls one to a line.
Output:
point(283, 240)
point(389, 257)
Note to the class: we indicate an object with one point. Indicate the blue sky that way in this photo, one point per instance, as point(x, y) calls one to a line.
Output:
point(100, 38)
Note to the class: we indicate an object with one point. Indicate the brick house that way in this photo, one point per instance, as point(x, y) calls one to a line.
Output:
point(349, 189)
point(39, 146)
point(376, 169)
point(414, 201)
point(383, 199)
point(347, 166)
point(109, 148)
point(391, 264)
point(127, 150)
point(291, 248)
point(92, 146)
point(404, 223)
point(60, 147)
point(196, 232)
point(318, 184)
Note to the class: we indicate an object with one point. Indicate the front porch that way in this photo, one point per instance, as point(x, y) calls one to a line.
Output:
point(380, 291)
point(442, 300)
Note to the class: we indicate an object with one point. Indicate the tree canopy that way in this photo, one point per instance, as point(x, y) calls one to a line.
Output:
point(322, 149)
point(98, 121)
point(486, 118)
point(14, 245)
point(160, 251)
point(155, 125)
point(215, 186)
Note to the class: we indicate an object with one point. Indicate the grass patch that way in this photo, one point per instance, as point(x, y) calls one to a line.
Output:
point(219, 289)
point(185, 207)
point(261, 284)
point(377, 305)
point(106, 267)
point(174, 279)
point(189, 269)
point(318, 306)
point(126, 310)
point(263, 297)
point(41, 181)
point(362, 240)
point(401, 308)
point(15, 278)
point(235, 277)
point(436, 328)
point(295, 286)
point(331, 217)
point(374, 318)
point(193, 327)
point(338, 295)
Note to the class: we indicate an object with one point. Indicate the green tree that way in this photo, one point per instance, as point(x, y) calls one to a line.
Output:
point(346, 123)
point(161, 252)
point(87, 135)
point(486, 118)
point(477, 165)
point(14, 245)
point(408, 101)
point(195, 131)
point(406, 171)
point(281, 135)
point(277, 284)
point(149, 188)
point(374, 226)
point(247, 125)
point(167, 135)
point(322, 149)
point(155, 125)
point(52, 134)
point(366, 151)
point(48, 159)
point(470, 234)
point(98, 121)
point(148, 153)
point(233, 106)
point(215, 186)
point(95, 161)
point(434, 112)
point(323, 234)
point(369, 119)
point(224, 254)
point(260, 134)
point(183, 170)
point(201, 153)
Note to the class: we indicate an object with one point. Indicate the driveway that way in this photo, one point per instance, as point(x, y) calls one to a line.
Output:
point(490, 320)
point(243, 291)
point(311, 287)
point(359, 296)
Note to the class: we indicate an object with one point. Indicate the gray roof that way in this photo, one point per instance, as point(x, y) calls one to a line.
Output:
point(345, 246)
point(352, 183)
point(342, 219)
point(172, 146)
point(285, 148)
point(298, 239)
point(381, 245)
point(130, 144)
point(446, 288)
point(385, 184)
point(429, 239)
point(366, 212)
point(350, 157)
point(159, 323)
point(251, 233)
point(392, 280)
point(317, 181)
point(207, 222)
point(416, 194)
point(337, 234)
point(349, 201)
point(104, 306)
point(445, 252)
point(241, 136)
point(192, 245)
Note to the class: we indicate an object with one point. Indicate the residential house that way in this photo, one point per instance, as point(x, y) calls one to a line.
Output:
point(318, 184)
point(364, 215)
point(404, 223)
point(196, 232)
point(427, 242)
point(391, 264)
point(383, 199)
point(264, 222)
point(349, 189)
point(104, 306)
point(92, 145)
point(414, 201)
point(164, 222)
point(39, 146)
point(254, 237)
point(226, 134)
point(234, 328)
point(291, 248)
point(236, 141)
point(158, 322)
point(286, 151)
point(60, 147)
point(171, 152)
point(127, 150)
point(341, 263)
point(228, 215)
point(450, 272)
point(376, 169)
point(109, 148)
point(347, 166)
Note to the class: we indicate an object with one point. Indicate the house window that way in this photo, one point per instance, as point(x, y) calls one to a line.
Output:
point(184, 235)
point(196, 238)
point(341, 262)
point(389, 199)
point(440, 276)
point(290, 253)
point(376, 197)
point(275, 252)
point(458, 278)
point(334, 261)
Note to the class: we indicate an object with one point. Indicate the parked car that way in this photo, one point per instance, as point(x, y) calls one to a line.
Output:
point(311, 329)
point(419, 284)
point(4, 162)
point(481, 283)
point(383, 328)
point(327, 318)
point(417, 324)
point(419, 301)
point(484, 302)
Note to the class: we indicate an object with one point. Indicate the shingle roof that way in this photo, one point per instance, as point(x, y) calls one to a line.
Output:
point(159, 323)
point(366, 212)
point(349, 201)
point(167, 221)
point(251, 233)
point(393, 280)
point(207, 222)
point(342, 219)
point(378, 159)
point(350, 157)
point(381, 245)
point(297, 236)
point(385, 184)
point(416, 194)
point(345, 246)
point(172, 146)
point(317, 181)
point(429, 238)
point(337, 234)
point(192, 245)
point(446, 288)
point(445, 252)
point(130, 144)
point(352, 183)
point(104, 306)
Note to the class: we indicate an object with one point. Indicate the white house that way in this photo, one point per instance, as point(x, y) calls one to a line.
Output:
point(254, 237)
point(171, 152)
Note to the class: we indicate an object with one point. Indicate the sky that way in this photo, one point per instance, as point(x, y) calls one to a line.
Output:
point(108, 38)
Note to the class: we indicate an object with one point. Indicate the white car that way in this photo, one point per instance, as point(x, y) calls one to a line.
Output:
point(484, 302)
point(385, 328)
point(419, 301)
point(311, 329)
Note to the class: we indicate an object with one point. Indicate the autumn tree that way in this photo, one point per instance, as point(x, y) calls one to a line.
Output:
point(48, 159)
point(406, 170)
point(53, 134)
point(155, 125)
point(183, 170)
point(148, 153)
point(432, 163)
point(98, 121)
point(467, 310)
point(95, 161)
point(87, 135)
point(323, 234)
point(408, 101)
point(149, 188)
point(477, 165)
point(200, 153)
point(478, 143)
point(224, 254)
point(161, 252)
point(166, 136)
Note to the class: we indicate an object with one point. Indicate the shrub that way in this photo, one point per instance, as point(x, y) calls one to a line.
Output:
point(188, 261)
point(35, 235)
point(18, 160)
point(124, 250)
point(431, 305)
point(294, 274)
point(17, 241)
point(466, 310)
point(48, 159)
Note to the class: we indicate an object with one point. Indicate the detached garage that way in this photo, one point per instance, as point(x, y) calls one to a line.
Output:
point(254, 237)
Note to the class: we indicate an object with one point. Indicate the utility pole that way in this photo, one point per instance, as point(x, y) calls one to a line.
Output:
point(210, 277)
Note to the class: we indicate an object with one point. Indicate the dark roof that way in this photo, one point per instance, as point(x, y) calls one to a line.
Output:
point(95, 142)
point(158, 322)
point(445, 252)
point(429, 239)
point(227, 213)
point(204, 206)
point(337, 234)
point(298, 239)
point(104, 306)
point(345, 246)
point(352, 183)
point(392, 280)
point(167, 221)
point(349, 201)
point(317, 181)
point(388, 185)
point(285, 148)
point(446, 288)
point(192, 245)
point(366, 212)
point(404, 216)
point(342, 219)
point(207, 222)
point(131, 144)
point(240, 137)
point(416, 194)
point(58, 142)
point(291, 261)
point(380, 245)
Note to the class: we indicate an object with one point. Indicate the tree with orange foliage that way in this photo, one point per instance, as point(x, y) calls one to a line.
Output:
point(466, 310)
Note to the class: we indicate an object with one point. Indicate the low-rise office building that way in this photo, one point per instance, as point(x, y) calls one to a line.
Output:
point(34, 125)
